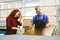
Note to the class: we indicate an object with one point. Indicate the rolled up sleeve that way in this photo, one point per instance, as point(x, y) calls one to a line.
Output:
point(46, 19)
point(33, 20)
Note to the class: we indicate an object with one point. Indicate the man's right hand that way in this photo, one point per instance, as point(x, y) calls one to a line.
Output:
point(30, 27)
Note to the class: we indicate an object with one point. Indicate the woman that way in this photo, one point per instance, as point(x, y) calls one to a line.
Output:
point(12, 22)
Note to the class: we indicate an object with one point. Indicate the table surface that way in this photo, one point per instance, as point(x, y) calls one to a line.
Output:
point(29, 37)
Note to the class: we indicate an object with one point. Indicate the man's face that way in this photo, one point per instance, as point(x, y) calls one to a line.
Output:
point(17, 14)
point(38, 11)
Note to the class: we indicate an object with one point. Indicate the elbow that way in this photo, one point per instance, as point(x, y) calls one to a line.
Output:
point(20, 24)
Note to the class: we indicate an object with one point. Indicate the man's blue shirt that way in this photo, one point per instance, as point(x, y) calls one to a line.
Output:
point(40, 17)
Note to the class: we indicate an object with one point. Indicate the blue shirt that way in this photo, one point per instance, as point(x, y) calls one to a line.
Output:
point(40, 17)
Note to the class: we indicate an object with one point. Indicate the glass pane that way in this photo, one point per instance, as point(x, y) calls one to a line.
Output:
point(2, 21)
point(29, 11)
point(31, 2)
point(15, 4)
point(4, 13)
point(47, 2)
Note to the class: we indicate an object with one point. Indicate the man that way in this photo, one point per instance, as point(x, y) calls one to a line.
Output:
point(40, 20)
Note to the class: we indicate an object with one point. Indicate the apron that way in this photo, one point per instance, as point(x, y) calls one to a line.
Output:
point(39, 26)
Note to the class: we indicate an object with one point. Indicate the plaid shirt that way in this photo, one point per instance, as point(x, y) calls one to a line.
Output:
point(11, 22)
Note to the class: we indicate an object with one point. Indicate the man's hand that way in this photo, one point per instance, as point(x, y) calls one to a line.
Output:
point(30, 27)
point(48, 25)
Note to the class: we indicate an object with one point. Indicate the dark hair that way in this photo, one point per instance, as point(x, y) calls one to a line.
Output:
point(12, 14)
point(37, 7)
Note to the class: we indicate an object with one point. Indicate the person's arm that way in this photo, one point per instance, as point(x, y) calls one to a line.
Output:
point(9, 25)
point(19, 23)
point(33, 20)
point(31, 26)
point(47, 22)
point(20, 20)
point(16, 29)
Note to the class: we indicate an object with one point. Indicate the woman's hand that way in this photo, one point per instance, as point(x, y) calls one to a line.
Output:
point(14, 28)
point(19, 30)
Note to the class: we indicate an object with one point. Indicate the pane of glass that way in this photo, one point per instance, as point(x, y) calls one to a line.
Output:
point(15, 4)
point(29, 12)
point(4, 13)
point(47, 2)
point(4, 5)
point(2, 21)
point(31, 2)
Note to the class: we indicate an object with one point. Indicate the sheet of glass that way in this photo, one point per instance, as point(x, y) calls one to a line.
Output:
point(29, 12)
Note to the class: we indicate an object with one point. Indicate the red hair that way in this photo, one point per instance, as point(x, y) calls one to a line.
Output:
point(12, 14)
